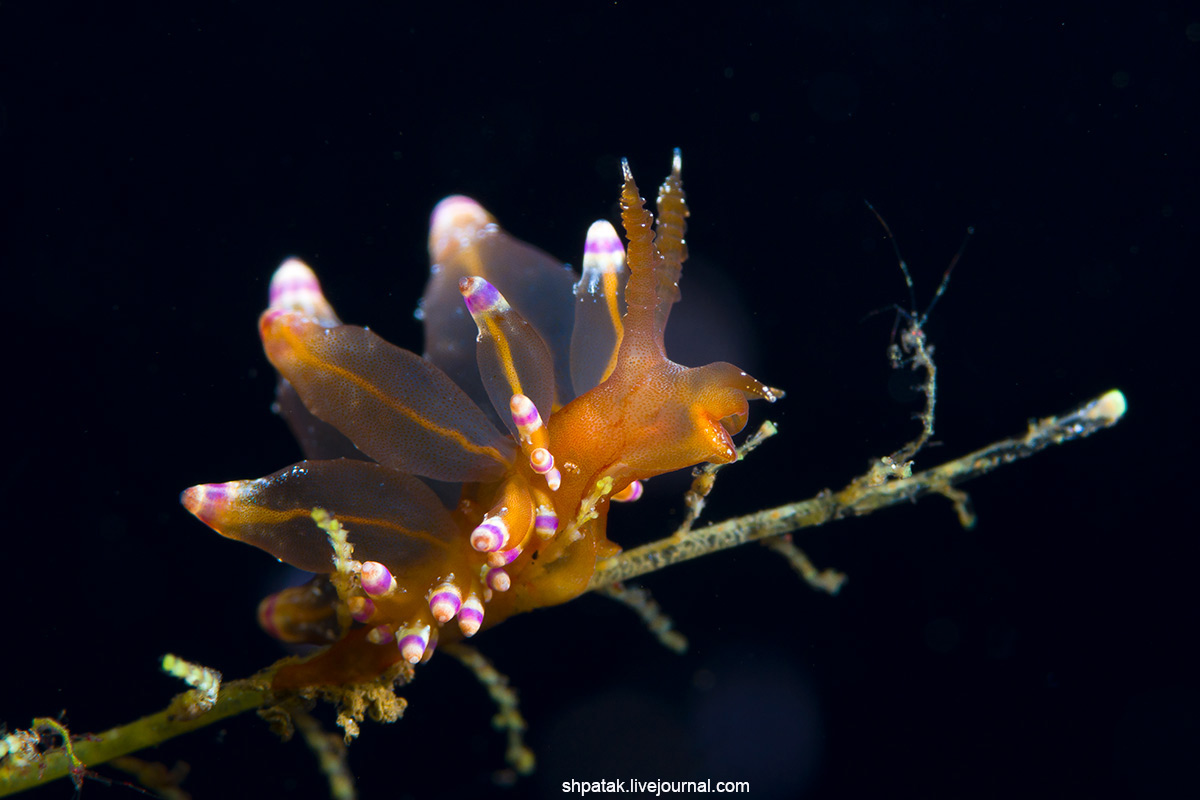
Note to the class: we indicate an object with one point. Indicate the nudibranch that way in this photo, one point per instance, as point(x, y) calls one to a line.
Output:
point(474, 482)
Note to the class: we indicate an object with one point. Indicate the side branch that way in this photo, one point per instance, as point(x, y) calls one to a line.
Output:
point(862, 496)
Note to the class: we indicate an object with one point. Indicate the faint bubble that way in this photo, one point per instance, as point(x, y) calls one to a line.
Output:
point(1193, 32)
point(729, 72)
point(1121, 79)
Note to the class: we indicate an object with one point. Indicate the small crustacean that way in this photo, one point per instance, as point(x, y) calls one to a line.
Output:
point(571, 367)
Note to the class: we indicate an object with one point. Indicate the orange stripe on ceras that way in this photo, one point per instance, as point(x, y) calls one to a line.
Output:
point(305, 356)
point(614, 313)
point(219, 505)
point(504, 352)
point(273, 516)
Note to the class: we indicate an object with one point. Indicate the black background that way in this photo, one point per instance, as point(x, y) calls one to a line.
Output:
point(157, 161)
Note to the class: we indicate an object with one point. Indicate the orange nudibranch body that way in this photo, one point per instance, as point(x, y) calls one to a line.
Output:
point(542, 397)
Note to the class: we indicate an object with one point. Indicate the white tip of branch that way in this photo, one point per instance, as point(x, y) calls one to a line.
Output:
point(1108, 408)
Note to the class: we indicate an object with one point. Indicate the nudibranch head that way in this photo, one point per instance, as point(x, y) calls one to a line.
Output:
point(541, 398)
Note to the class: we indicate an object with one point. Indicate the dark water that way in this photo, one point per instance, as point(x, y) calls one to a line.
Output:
point(157, 162)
